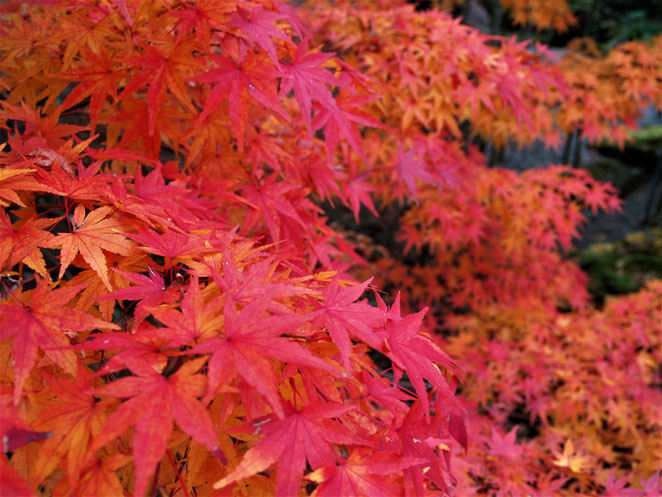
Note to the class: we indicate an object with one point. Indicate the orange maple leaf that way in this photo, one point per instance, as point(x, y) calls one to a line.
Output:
point(154, 403)
point(39, 319)
point(571, 459)
point(90, 234)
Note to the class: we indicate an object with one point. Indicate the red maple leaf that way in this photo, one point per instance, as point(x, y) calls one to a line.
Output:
point(195, 321)
point(61, 182)
point(249, 340)
point(410, 167)
point(303, 435)
point(13, 485)
point(505, 445)
point(308, 79)
point(74, 418)
point(381, 390)
point(13, 181)
point(14, 431)
point(160, 70)
point(39, 319)
point(343, 315)
point(154, 402)
point(99, 475)
point(148, 345)
point(418, 438)
point(342, 123)
point(254, 280)
point(97, 80)
point(250, 76)
point(357, 192)
point(149, 291)
point(145, 210)
point(362, 473)
point(275, 208)
point(258, 25)
point(417, 355)
point(201, 17)
point(21, 242)
point(170, 245)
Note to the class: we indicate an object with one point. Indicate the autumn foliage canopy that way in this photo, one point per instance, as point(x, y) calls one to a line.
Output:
point(179, 316)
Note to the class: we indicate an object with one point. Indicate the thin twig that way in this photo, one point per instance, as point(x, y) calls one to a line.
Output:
point(182, 482)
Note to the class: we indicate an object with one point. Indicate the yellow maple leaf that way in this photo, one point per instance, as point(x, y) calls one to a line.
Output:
point(569, 459)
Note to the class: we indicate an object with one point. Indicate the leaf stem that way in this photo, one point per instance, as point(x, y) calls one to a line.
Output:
point(179, 476)
point(66, 213)
point(372, 418)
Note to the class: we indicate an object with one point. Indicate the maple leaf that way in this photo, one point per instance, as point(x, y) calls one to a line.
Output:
point(336, 123)
point(382, 391)
point(253, 281)
point(59, 181)
point(146, 210)
point(362, 473)
point(571, 460)
point(305, 434)
point(308, 79)
point(97, 80)
point(417, 355)
point(416, 437)
point(133, 119)
point(357, 192)
point(94, 288)
point(74, 418)
point(248, 340)
point(14, 437)
point(250, 76)
point(38, 320)
point(410, 167)
point(290, 12)
point(195, 322)
point(201, 18)
point(615, 487)
point(90, 234)
point(147, 345)
point(13, 180)
point(161, 70)
point(99, 475)
point(258, 25)
point(21, 242)
point(505, 445)
point(150, 291)
point(154, 403)
point(14, 431)
point(341, 314)
point(174, 197)
point(47, 128)
point(78, 33)
point(273, 207)
point(170, 245)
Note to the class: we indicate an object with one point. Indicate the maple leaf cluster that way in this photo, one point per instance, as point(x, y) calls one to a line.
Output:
point(555, 14)
point(606, 102)
point(177, 316)
point(443, 78)
point(489, 253)
point(488, 234)
point(582, 389)
point(437, 75)
point(499, 242)
point(174, 312)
